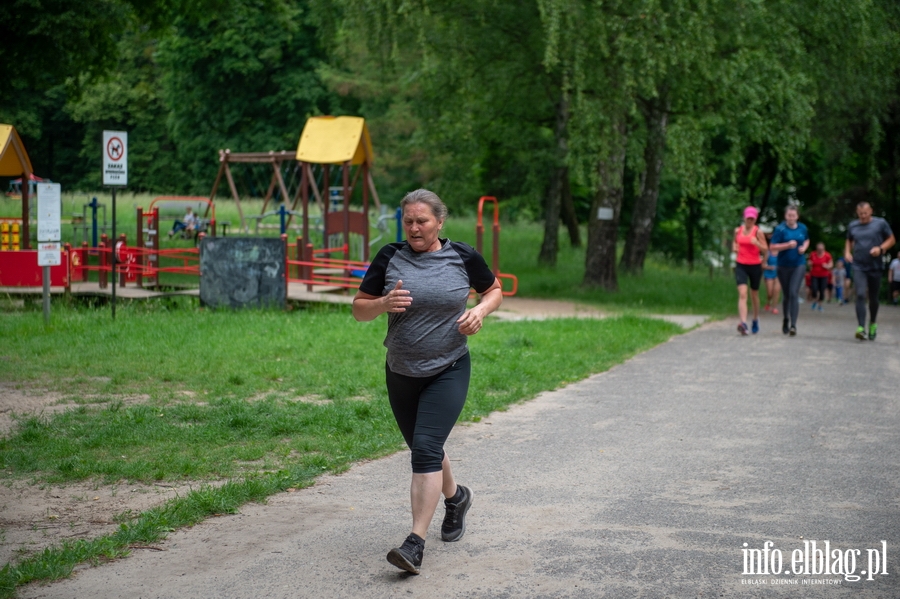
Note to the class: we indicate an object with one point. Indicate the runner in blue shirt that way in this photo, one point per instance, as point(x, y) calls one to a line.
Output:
point(791, 240)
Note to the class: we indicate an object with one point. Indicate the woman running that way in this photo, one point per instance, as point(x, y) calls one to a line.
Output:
point(790, 240)
point(749, 241)
point(821, 264)
point(422, 284)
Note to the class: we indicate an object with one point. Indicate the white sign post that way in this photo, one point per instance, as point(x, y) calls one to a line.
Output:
point(115, 158)
point(49, 207)
point(115, 175)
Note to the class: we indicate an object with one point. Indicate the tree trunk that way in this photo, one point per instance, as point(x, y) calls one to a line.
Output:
point(637, 242)
point(773, 172)
point(568, 214)
point(550, 245)
point(689, 227)
point(603, 222)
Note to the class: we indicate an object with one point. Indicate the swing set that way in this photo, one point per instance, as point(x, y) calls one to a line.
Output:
point(331, 166)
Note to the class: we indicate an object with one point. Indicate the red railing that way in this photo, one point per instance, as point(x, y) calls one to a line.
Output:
point(314, 267)
point(303, 264)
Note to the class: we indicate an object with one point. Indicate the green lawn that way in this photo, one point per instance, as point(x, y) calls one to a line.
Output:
point(267, 400)
point(264, 400)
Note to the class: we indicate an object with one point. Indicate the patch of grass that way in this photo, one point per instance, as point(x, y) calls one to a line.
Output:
point(225, 403)
point(662, 288)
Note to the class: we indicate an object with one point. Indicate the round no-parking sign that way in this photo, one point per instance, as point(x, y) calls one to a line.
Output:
point(115, 158)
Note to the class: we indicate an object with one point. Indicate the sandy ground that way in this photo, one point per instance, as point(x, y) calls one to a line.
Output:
point(36, 516)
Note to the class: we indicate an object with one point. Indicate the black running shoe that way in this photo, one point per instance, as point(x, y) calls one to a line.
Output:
point(454, 526)
point(793, 331)
point(408, 556)
point(785, 326)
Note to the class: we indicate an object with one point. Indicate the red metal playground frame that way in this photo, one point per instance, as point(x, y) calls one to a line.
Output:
point(140, 265)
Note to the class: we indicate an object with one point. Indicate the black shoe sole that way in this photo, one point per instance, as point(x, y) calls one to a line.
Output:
point(452, 538)
point(395, 558)
point(793, 332)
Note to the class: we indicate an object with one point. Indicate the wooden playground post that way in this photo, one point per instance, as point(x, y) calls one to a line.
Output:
point(304, 198)
point(121, 264)
point(346, 184)
point(326, 204)
point(104, 260)
point(365, 195)
point(139, 240)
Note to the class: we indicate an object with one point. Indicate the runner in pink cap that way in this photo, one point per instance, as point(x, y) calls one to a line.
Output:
point(750, 246)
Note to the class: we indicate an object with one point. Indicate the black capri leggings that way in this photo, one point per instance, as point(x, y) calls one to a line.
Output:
point(426, 410)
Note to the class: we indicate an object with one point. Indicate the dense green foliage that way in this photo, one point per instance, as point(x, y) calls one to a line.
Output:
point(673, 113)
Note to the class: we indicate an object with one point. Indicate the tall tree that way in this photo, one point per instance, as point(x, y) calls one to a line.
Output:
point(558, 187)
point(243, 79)
point(603, 222)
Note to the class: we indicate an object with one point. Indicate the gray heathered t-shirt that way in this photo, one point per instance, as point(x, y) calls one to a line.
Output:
point(425, 339)
point(864, 238)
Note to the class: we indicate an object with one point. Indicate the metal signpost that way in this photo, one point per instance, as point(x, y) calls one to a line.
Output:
point(115, 175)
point(49, 206)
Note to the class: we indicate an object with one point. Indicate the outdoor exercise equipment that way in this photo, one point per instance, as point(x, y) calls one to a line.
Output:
point(495, 245)
point(80, 222)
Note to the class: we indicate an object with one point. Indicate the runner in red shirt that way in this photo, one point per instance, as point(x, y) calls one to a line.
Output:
point(821, 265)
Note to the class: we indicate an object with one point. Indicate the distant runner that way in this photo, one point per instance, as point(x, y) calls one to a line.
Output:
point(868, 238)
point(820, 269)
point(791, 240)
point(749, 242)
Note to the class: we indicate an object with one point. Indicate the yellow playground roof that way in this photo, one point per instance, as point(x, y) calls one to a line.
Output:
point(14, 159)
point(334, 140)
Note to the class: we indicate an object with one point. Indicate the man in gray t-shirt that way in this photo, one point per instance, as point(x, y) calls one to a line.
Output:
point(868, 238)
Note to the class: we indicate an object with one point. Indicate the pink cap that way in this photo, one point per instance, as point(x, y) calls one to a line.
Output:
point(750, 212)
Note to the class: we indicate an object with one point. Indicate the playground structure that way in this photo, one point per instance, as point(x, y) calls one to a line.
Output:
point(15, 186)
point(140, 265)
point(14, 162)
point(331, 167)
point(18, 262)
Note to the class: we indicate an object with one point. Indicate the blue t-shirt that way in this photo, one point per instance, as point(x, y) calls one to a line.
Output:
point(783, 234)
point(771, 260)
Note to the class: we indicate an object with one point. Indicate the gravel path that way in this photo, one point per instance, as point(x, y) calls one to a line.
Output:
point(644, 481)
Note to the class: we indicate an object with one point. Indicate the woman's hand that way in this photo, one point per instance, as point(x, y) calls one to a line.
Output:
point(397, 299)
point(471, 321)
point(368, 307)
